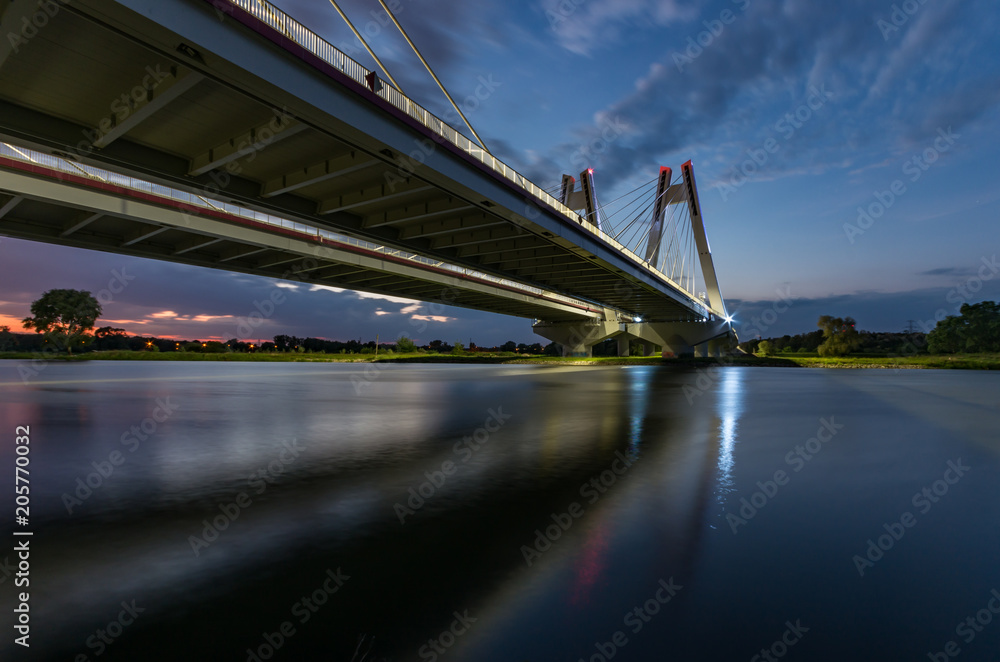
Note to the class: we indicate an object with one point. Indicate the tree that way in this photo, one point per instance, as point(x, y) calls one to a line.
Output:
point(458, 347)
point(108, 337)
point(439, 346)
point(404, 344)
point(976, 330)
point(840, 336)
point(64, 316)
point(764, 348)
point(508, 346)
point(6, 339)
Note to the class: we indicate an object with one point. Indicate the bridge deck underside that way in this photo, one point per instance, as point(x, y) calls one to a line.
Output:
point(265, 254)
point(109, 87)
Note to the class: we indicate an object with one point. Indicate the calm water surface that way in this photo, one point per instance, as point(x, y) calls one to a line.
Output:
point(505, 513)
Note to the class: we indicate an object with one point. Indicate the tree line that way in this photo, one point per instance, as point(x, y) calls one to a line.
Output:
point(975, 330)
point(63, 320)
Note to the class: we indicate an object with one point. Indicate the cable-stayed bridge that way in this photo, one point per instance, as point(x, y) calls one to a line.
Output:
point(224, 133)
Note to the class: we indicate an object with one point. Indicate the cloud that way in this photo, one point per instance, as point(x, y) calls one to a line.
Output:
point(171, 315)
point(585, 26)
point(948, 271)
point(433, 318)
point(714, 101)
point(918, 35)
point(104, 321)
point(384, 297)
point(203, 318)
point(325, 288)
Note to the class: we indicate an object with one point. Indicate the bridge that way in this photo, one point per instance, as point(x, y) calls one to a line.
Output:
point(223, 133)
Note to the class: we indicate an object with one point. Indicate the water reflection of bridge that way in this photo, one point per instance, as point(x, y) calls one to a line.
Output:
point(462, 550)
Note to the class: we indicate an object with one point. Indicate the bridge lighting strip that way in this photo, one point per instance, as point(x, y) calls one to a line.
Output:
point(323, 236)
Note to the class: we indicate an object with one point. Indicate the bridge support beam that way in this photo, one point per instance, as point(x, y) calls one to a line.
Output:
point(711, 338)
point(579, 338)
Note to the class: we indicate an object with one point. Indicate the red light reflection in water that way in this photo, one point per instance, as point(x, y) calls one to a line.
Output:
point(590, 565)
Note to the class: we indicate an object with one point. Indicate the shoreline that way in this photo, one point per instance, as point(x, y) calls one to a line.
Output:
point(924, 362)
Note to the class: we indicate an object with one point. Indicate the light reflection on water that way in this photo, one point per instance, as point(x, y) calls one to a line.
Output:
point(730, 408)
point(638, 402)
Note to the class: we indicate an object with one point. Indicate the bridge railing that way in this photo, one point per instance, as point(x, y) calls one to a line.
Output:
point(303, 36)
point(132, 183)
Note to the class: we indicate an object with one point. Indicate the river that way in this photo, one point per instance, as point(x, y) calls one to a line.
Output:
point(255, 511)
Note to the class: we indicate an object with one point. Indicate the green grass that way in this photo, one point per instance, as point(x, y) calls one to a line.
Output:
point(939, 361)
point(128, 355)
point(957, 361)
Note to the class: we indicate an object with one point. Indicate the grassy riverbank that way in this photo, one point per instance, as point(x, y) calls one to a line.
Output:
point(950, 361)
point(936, 361)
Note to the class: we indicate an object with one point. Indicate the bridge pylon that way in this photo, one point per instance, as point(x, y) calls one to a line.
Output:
point(707, 334)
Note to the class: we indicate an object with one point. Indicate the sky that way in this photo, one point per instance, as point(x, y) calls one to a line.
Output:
point(845, 153)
